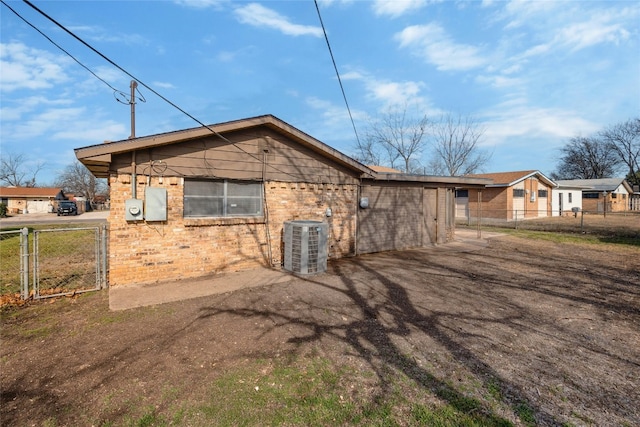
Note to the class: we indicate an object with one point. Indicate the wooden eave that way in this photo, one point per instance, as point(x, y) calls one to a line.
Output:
point(447, 181)
point(97, 158)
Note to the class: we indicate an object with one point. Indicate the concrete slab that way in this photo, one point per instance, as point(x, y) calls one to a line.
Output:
point(132, 296)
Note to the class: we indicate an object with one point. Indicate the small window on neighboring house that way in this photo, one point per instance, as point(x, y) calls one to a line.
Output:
point(570, 196)
point(590, 195)
point(624, 196)
point(614, 195)
point(222, 198)
point(542, 193)
point(462, 193)
point(518, 192)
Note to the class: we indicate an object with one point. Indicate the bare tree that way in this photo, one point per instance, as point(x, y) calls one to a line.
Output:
point(396, 140)
point(586, 158)
point(77, 179)
point(16, 171)
point(456, 146)
point(624, 140)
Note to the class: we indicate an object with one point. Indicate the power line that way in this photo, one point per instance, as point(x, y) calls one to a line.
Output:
point(115, 91)
point(344, 96)
point(213, 131)
point(122, 69)
point(145, 85)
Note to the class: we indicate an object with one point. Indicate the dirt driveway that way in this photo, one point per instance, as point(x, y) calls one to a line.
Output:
point(554, 328)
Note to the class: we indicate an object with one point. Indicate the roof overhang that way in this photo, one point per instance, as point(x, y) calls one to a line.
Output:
point(537, 174)
point(97, 158)
point(448, 181)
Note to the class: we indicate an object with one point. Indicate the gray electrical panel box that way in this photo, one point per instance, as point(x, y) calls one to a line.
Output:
point(155, 204)
point(133, 210)
point(305, 246)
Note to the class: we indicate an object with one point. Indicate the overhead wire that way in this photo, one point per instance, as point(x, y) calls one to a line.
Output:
point(97, 52)
point(115, 91)
point(213, 131)
point(335, 67)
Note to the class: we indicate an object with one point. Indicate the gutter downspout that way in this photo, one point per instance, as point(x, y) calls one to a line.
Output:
point(134, 177)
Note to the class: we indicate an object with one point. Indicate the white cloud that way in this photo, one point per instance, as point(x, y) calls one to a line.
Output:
point(200, 4)
point(23, 106)
point(99, 34)
point(67, 124)
point(435, 46)
point(163, 85)
point(597, 30)
point(333, 114)
point(498, 81)
point(516, 118)
point(520, 13)
point(395, 8)
point(22, 67)
point(388, 93)
point(259, 16)
point(87, 132)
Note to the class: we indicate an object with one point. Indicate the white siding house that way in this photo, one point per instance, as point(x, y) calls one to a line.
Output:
point(566, 198)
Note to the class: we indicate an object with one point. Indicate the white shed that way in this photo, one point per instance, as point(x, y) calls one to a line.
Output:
point(566, 198)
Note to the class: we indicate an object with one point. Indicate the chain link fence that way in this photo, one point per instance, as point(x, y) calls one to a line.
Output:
point(624, 224)
point(52, 262)
point(14, 262)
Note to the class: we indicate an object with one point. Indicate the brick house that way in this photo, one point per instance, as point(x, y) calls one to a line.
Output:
point(24, 200)
point(200, 201)
point(603, 195)
point(512, 196)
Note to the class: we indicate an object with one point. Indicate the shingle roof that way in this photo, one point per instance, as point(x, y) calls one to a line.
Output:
point(29, 191)
point(603, 184)
point(383, 169)
point(507, 179)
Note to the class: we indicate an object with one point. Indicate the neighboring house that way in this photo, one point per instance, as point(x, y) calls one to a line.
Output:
point(603, 195)
point(567, 198)
point(23, 200)
point(199, 201)
point(384, 169)
point(512, 196)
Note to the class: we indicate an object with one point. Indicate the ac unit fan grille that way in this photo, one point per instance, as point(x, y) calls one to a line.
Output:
point(305, 247)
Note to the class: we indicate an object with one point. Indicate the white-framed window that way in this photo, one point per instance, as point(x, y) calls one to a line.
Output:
point(221, 198)
point(570, 197)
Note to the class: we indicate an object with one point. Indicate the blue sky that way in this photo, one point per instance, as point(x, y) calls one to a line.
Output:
point(532, 73)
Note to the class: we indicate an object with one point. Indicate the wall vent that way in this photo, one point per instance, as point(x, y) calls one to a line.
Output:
point(305, 246)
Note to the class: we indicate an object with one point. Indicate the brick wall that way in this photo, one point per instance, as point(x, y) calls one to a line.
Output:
point(499, 202)
point(141, 252)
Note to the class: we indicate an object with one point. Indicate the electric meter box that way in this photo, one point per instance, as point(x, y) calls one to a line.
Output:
point(133, 210)
point(155, 204)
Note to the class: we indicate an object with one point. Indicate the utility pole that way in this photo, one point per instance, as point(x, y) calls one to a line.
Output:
point(132, 102)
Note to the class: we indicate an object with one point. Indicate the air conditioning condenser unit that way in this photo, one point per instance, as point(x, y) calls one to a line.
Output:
point(305, 246)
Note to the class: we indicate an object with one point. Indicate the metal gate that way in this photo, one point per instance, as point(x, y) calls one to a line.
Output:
point(53, 262)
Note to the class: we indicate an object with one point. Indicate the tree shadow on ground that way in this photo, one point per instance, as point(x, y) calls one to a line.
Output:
point(382, 312)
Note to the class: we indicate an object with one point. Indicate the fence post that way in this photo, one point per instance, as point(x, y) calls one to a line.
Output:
point(103, 282)
point(516, 219)
point(581, 221)
point(24, 263)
